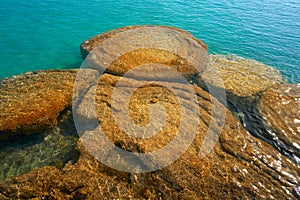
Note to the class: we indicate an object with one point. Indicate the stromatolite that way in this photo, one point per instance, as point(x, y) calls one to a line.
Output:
point(32, 102)
point(238, 166)
point(121, 50)
point(241, 77)
point(211, 155)
point(91, 43)
point(243, 80)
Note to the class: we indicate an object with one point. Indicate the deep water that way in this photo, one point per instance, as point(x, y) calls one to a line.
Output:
point(46, 34)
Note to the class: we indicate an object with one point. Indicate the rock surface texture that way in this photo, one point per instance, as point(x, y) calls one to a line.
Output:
point(93, 42)
point(177, 49)
point(32, 102)
point(279, 108)
point(243, 81)
point(238, 166)
point(241, 77)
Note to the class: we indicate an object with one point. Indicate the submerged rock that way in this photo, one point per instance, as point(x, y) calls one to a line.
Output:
point(53, 147)
point(279, 108)
point(95, 41)
point(32, 102)
point(241, 77)
point(85, 179)
point(243, 80)
point(122, 50)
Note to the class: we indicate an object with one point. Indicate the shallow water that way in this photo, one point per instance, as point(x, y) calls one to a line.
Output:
point(47, 34)
point(54, 147)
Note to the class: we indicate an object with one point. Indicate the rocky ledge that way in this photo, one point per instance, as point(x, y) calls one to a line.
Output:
point(215, 156)
point(32, 102)
point(238, 165)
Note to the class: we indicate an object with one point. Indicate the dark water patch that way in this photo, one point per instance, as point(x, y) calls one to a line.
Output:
point(253, 121)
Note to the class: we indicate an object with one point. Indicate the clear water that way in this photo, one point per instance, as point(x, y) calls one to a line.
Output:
point(46, 34)
point(53, 147)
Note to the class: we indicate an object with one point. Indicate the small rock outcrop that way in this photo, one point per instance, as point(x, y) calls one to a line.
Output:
point(93, 42)
point(243, 80)
point(241, 77)
point(113, 51)
point(32, 102)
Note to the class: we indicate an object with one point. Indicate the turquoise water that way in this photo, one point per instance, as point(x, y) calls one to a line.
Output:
point(44, 34)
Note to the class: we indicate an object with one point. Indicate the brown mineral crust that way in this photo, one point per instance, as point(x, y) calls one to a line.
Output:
point(31, 102)
point(242, 79)
point(279, 108)
point(140, 102)
point(86, 179)
point(238, 166)
point(123, 50)
point(148, 56)
point(91, 43)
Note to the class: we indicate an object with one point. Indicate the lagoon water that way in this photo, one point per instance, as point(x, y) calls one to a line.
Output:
point(46, 34)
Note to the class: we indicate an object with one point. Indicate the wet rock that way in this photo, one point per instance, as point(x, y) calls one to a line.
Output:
point(32, 102)
point(243, 79)
point(86, 179)
point(122, 50)
point(54, 147)
point(93, 42)
point(279, 108)
point(297, 191)
point(238, 165)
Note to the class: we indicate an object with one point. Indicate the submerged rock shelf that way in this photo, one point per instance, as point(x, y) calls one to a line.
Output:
point(235, 164)
point(54, 147)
